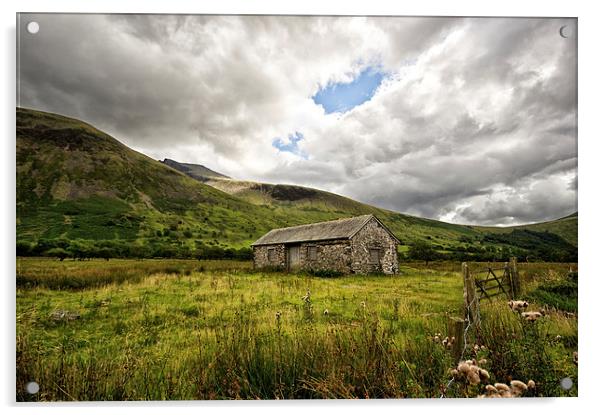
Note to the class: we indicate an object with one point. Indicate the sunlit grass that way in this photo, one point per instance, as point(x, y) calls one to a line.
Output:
point(217, 330)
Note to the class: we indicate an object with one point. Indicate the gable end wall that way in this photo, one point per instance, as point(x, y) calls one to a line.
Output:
point(374, 236)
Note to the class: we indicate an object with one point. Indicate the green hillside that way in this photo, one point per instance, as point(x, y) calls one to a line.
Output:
point(564, 227)
point(82, 192)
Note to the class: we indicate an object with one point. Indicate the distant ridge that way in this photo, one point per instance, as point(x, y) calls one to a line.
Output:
point(196, 171)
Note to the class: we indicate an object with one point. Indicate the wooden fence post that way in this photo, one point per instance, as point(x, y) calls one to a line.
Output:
point(456, 330)
point(508, 278)
point(514, 278)
point(471, 301)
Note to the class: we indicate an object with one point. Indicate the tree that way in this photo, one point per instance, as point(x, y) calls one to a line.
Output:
point(60, 253)
point(422, 251)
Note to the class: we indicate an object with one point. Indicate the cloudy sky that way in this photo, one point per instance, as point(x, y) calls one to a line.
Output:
point(464, 120)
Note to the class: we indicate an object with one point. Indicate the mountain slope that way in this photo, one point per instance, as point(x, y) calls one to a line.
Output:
point(77, 185)
point(196, 171)
point(565, 227)
point(285, 195)
point(74, 181)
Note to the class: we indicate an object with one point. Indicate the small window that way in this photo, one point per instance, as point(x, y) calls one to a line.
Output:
point(312, 253)
point(374, 256)
point(271, 254)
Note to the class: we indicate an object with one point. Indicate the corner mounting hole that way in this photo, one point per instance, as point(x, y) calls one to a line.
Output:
point(566, 384)
point(32, 388)
point(33, 27)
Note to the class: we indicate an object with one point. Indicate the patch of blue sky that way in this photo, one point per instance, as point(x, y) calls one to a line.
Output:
point(290, 145)
point(341, 97)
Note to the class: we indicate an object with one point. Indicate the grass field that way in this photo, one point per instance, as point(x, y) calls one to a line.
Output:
point(177, 329)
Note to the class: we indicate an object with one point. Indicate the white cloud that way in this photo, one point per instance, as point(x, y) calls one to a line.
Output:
point(474, 109)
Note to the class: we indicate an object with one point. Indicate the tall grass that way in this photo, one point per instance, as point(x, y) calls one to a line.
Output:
point(232, 334)
point(72, 274)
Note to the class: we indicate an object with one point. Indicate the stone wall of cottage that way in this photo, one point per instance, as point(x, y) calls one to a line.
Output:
point(330, 255)
point(347, 256)
point(374, 236)
point(261, 259)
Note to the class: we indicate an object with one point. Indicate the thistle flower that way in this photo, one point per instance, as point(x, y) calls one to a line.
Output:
point(483, 374)
point(519, 385)
point(502, 387)
point(473, 378)
point(531, 315)
point(517, 305)
point(464, 368)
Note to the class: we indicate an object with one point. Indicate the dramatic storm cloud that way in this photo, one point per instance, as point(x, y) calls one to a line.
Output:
point(464, 120)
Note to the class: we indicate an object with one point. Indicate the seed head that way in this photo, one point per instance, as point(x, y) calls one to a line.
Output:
point(518, 385)
point(502, 387)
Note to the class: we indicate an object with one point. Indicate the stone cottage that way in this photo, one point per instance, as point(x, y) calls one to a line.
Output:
point(358, 245)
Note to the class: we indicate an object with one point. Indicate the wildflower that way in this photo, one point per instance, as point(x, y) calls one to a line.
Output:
point(471, 372)
point(558, 337)
point(501, 387)
point(464, 368)
point(473, 378)
point(326, 312)
point(517, 305)
point(531, 315)
point(483, 374)
point(519, 385)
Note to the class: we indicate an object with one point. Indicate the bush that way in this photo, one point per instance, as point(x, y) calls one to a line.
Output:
point(24, 248)
point(559, 294)
point(59, 253)
point(325, 273)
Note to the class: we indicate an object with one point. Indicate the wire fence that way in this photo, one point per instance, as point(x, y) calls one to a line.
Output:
point(464, 340)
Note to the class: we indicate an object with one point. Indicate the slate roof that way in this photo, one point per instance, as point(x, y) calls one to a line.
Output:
point(334, 229)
